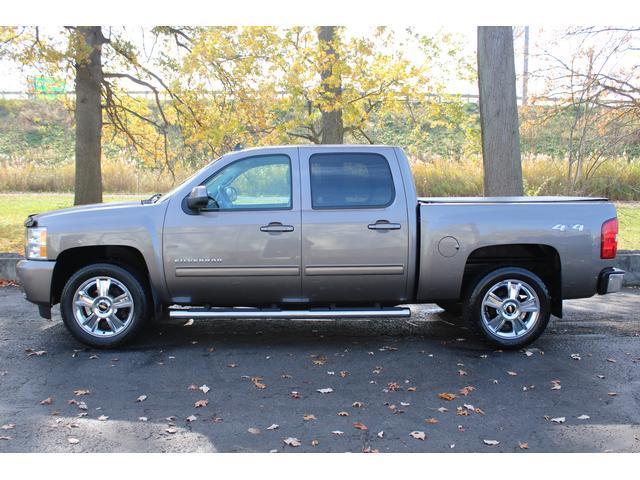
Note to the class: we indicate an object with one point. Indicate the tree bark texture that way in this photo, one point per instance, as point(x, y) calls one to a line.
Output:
point(332, 124)
point(499, 112)
point(88, 116)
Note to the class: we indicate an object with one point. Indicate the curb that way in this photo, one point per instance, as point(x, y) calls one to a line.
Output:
point(628, 260)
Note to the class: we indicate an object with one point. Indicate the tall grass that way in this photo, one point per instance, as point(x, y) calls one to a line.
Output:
point(617, 178)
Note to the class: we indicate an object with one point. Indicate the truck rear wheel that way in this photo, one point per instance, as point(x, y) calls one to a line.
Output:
point(510, 307)
point(104, 305)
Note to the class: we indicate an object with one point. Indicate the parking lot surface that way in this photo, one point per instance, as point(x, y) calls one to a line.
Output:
point(417, 385)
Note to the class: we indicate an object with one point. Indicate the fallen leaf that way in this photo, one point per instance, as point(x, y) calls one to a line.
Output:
point(462, 412)
point(393, 387)
point(325, 390)
point(204, 389)
point(46, 401)
point(528, 353)
point(576, 356)
point(601, 377)
point(469, 407)
point(188, 323)
point(315, 443)
point(411, 389)
point(447, 396)
point(357, 404)
point(344, 374)
point(308, 417)
point(513, 374)
point(191, 418)
point(584, 417)
point(257, 382)
point(491, 442)
point(555, 385)
point(254, 431)
point(273, 426)
point(612, 360)
point(523, 445)
point(432, 421)
point(37, 353)
point(8, 426)
point(360, 426)
point(337, 432)
point(295, 395)
point(418, 435)
point(319, 359)
point(462, 373)
point(613, 394)
point(405, 404)
point(201, 403)
point(467, 390)
point(73, 440)
point(343, 414)
point(143, 419)
point(192, 387)
point(558, 419)
point(141, 398)
point(5, 437)
point(103, 418)
point(443, 409)
point(79, 393)
point(479, 411)
point(232, 365)
point(380, 434)
point(292, 442)
point(171, 430)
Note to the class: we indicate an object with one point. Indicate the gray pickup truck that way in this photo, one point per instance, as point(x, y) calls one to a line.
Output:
point(317, 232)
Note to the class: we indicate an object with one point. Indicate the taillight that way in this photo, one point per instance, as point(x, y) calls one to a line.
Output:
point(609, 239)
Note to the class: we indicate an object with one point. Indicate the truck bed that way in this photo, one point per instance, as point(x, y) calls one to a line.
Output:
point(432, 200)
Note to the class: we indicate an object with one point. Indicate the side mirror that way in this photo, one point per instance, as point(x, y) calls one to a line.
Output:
point(198, 198)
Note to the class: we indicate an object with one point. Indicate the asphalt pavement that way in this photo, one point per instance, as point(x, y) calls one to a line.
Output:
point(417, 385)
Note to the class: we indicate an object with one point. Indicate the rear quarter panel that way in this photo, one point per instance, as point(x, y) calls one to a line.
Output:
point(487, 224)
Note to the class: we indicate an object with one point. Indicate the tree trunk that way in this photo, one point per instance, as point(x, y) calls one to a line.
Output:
point(525, 68)
point(331, 83)
point(499, 112)
point(88, 115)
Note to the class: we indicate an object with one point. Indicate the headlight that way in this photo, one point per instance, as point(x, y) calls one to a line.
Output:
point(36, 247)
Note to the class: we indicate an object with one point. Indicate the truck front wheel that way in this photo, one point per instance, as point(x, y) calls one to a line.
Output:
point(104, 305)
point(510, 307)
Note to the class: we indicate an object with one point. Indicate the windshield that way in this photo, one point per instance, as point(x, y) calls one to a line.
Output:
point(168, 195)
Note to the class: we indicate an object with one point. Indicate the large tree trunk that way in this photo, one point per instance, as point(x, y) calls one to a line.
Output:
point(332, 125)
point(88, 116)
point(499, 112)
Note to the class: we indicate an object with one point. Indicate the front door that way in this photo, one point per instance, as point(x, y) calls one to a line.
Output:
point(355, 235)
point(244, 248)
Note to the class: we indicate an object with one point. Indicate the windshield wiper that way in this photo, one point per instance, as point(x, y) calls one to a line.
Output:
point(152, 199)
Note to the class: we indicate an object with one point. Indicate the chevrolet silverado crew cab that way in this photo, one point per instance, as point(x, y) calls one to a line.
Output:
point(317, 232)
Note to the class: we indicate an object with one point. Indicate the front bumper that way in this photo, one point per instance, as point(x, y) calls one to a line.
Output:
point(610, 280)
point(35, 278)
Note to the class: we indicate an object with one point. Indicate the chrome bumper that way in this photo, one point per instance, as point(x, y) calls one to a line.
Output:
point(35, 278)
point(610, 280)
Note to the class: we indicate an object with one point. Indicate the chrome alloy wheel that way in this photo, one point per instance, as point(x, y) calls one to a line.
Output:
point(510, 309)
point(103, 306)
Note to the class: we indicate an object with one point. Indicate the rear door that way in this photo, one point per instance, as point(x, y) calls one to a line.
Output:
point(355, 236)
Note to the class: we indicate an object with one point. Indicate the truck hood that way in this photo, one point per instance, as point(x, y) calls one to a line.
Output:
point(95, 208)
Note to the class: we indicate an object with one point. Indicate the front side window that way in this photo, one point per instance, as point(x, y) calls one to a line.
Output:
point(350, 180)
point(261, 182)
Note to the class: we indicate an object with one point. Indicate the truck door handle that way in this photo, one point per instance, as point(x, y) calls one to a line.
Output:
point(384, 225)
point(276, 227)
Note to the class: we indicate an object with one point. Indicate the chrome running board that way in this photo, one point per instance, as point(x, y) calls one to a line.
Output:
point(394, 312)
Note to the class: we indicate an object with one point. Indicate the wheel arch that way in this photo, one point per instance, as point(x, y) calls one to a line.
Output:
point(71, 260)
point(541, 259)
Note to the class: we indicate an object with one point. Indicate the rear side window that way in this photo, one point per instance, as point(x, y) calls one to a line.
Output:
point(350, 180)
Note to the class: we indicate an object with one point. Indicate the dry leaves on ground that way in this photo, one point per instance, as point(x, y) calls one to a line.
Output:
point(491, 442)
point(292, 442)
point(201, 403)
point(418, 435)
point(325, 390)
point(141, 398)
point(360, 426)
point(447, 396)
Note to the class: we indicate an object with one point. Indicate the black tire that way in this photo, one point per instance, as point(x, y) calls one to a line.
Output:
point(142, 304)
point(452, 307)
point(473, 308)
